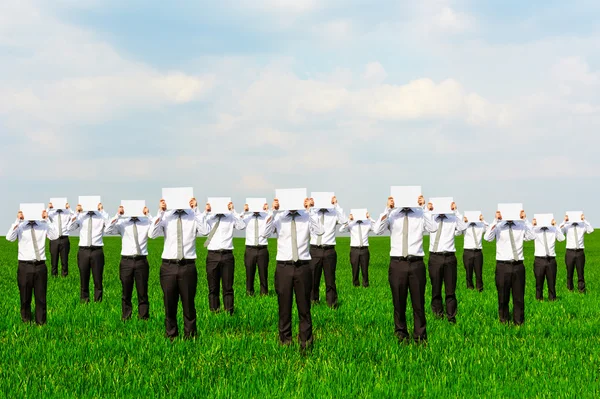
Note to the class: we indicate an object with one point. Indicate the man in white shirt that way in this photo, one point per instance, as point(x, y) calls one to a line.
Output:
point(134, 266)
point(323, 254)
point(178, 274)
point(510, 271)
point(32, 273)
point(293, 272)
point(574, 230)
point(257, 253)
point(407, 270)
point(91, 250)
point(442, 262)
point(60, 247)
point(472, 251)
point(220, 263)
point(359, 247)
point(544, 265)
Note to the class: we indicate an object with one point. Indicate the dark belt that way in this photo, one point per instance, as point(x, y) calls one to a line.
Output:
point(323, 246)
point(256, 246)
point(409, 258)
point(33, 262)
point(575, 250)
point(545, 257)
point(447, 253)
point(133, 257)
point(220, 251)
point(363, 247)
point(510, 262)
point(292, 263)
point(181, 262)
point(92, 248)
point(62, 237)
point(473, 250)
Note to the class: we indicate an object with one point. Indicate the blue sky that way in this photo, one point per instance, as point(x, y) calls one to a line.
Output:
point(484, 101)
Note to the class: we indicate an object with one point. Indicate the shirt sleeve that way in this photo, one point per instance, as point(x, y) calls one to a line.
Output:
point(588, 227)
point(74, 222)
point(344, 228)
point(112, 226)
point(13, 232)
point(560, 236)
point(382, 223)
point(52, 232)
point(238, 222)
point(491, 232)
point(529, 233)
point(429, 225)
point(339, 213)
point(202, 226)
point(157, 226)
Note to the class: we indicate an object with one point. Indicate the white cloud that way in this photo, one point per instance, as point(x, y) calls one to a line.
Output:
point(374, 73)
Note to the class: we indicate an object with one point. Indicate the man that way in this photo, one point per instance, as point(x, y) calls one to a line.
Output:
point(442, 262)
point(293, 272)
point(574, 230)
point(510, 272)
point(91, 253)
point(544, 264)
point(134, 262)
point(407, 270)
point(62, 246)
point(32, 274)
point(323, 254)
point(257, 252)
point(220, 263)
point(178, 274)
point(359, 247)
point(473, 254)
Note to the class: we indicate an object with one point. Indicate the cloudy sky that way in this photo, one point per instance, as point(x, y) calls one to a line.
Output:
point(495, 101)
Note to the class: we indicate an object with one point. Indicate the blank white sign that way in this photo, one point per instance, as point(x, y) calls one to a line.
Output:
point(359, 214)
point(574, 216)
point(322, 199)
point(473, 216)
point(32, 211)
point(256, 204)
point(133, 208)
point(511, 211)
point(89, 202)
point(59, 203)
point(406, 196)
point(441, 205)
point(178, 197)
point(219, 204)
point(543, 219)
point(291, 199)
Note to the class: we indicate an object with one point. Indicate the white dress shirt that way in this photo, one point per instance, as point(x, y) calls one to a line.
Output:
point(331, 218)
point(81, 221)
point(193, 224)
point(355, 238)
point(65, 215)
point(124, 227)
point(21, 230)
point(499, 231)
point(553, 234)
point(250, 220)
point(452, 226)
point(306, 224)
point(474, 241)
point(418, 223)
point(583, 227)
point(223, 237)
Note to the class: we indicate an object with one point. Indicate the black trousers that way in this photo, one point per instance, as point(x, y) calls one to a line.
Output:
point(473, 261)
point(442, 271)
point(324, 261)
point(293, 278)
point(134, 271)
point(179, 281)
point(220, 270)
point(359, 259)
point(252, 257)
point(90, 259)
point(60, 247)
point(575, 258)
point(544, 268)
point(408, 276)
point(510, 277)
point(32, 279)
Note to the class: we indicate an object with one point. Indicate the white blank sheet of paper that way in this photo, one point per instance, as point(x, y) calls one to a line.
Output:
point(32, 211)
point(178, 197)
point(291, 198)
point(89, 202)
point(406, 196)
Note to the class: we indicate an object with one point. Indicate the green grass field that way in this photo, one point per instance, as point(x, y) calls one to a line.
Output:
point(86, 351)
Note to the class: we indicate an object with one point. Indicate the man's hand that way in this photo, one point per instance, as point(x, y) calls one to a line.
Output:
point(307, 203)
point(566, 218)
point(79, 208)
point(266, 207)
point(312, 202)
point(146, 211)
point(368, 215)
point(67, 206)
point(193, 203)
point(481, 218)
point(553, 222)
point(50, 206)
point(465, 219)
point(275, 204)
point(582, 216)
point(207, 208)
point(44, 214)
point(453, 206)
point(498, 215)
point(523, 215)
point(391, 203)
point(230, 206)
point(162, 205)
point(20, 215)
point(421, 200)
point(100, 207)
point(351, 218)
point(430, 206)
point(246, 208)
point(121, 210)
point(534, 222)
point(333, 200)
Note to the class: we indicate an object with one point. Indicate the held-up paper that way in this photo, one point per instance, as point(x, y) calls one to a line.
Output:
point(442, 205)
point(178, 197)
point(322, 199)
point(359, 214)
point(219, 205)
point(89, 202)
point(574, 216)
point(256, 204)
point(133, 208)
point(510, 212)
point(472, 216)
point(406, 196)
point(291, 199)
point(32, 211)
point(59, 203)
point(543, 219)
